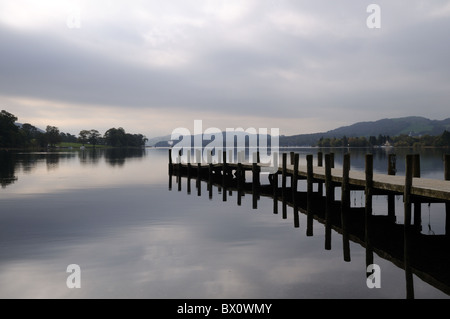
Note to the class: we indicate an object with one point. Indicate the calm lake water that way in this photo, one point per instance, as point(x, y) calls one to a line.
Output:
point(111, 212)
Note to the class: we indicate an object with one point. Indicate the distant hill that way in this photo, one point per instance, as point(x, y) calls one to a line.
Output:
point(38, 129)
point(412, 125)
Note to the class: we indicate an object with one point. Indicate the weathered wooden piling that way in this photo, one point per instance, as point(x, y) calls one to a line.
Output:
point(255, 184)
point(328, 208)
point(283, 186)
point(345, 205)
point(309, 196)
point(407, 189)
point(210, 176)
point(170, 162)
point(275, 192)
point(224, 176)
point(407, 225)
point(447, 204)
point(239, 173)
point(392, 170)
point(295, 181)
point(417, 205)
point(320, 164)
point(368, 207)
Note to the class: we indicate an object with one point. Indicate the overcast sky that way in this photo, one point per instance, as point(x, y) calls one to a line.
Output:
point(153, 66)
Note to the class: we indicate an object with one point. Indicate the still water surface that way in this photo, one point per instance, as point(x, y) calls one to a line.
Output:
point(112, 213)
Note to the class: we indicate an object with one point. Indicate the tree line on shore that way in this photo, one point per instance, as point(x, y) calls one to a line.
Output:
point(403, 140)
point(28, 136)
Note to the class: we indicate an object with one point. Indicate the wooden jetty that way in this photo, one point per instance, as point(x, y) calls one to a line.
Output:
point(429, 259)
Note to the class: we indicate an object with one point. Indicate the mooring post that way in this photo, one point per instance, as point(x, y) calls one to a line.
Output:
point(417, 205)
point(283, 185)
point(407, 225)
point(292, 159)
point(199, 175)
point(328, 210)
point(345, 205)
point(332, 160)
point(309, 196)
point(392, 170)
point(368, 208)
point(179, 172)
point(294, 191)
point(320, 164)
point(295, 181)
point(170, 162)
point(210, 175)
point(447, 204)
point(407, 190)
point(275, 192)
point(239, 182)
point(189, 172)
point(255, 184)
point(224, 176)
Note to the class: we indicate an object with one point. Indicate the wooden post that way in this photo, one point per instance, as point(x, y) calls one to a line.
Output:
point(179, 173)
point(295, 181)
point(345, 205)
point(275, 193)
point(332, 160)
point(294, 191)
point(320, 159)
point(292, 157)
point(328, 208)
point(255, 184)
point(392, 170)
point(417, 205)
point(407, 190)
point(368, 208)
point(210, 174)
point(239, 183)
point(309, 198)
point(283, 185)
point(320, 164)
point(170, 162)
point(447, 167)
point(224, 176)
point(447, 204)
point(199, 175)
point(189, 173)
point(407, 225)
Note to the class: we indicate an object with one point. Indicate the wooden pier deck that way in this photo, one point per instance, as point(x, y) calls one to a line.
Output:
point(430, 190)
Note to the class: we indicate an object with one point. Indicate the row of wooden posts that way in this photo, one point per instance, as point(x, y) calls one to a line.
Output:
point(412, 171)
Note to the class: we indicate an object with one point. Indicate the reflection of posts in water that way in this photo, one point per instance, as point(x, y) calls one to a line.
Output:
point(345, 205)
point(447, 204)
point(392, 169)
point(328, 203)
point(294, 191)
point(368, 208)
point(309, 196)
point(407, 226)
